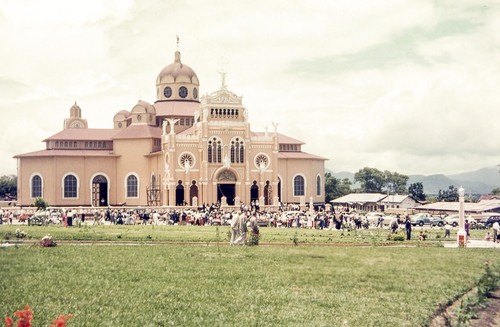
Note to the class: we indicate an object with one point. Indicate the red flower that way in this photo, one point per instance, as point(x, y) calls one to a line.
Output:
point(8, 322)
point(25, 317)
point(60, 321)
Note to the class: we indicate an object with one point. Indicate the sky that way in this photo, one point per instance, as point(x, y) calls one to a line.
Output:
point(409, 86)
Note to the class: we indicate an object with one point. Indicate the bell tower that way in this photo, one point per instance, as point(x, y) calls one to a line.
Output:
point(75, 118)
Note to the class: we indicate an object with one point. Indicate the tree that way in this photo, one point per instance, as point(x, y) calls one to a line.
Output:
point(496, 191)
point(371, 180)
point(8, 185)
point(40, 204)
point(395, 183)
point(416, 190)
point(449, 195)
point(335, 188)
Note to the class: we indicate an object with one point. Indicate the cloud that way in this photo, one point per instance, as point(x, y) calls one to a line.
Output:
point(407, 86)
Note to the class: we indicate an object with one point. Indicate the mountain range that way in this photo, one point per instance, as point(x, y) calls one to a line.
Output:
point(478, 182)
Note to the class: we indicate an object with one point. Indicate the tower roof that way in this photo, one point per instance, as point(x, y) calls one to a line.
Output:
point(177, 72)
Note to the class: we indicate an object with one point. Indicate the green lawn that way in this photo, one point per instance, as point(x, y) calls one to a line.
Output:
point(153, 284)
point(210, 234)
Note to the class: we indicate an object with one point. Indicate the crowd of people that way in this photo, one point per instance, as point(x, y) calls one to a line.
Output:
point(239, 219)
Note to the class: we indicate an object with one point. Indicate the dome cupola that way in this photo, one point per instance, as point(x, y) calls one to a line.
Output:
point(177, 82)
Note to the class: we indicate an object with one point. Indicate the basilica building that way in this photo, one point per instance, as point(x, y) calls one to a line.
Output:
point(180, 150)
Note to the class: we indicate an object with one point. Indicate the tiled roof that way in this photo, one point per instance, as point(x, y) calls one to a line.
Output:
point(176, 108)
point(139, 132)
point(84, 134)
point(282, 139)
point(67, 153)
point(360, 198)
point(298, 155)
point(482, 206)
point(397, 198)
point(188, 131)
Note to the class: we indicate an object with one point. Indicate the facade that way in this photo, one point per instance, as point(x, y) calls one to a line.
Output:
point(360, 201)
point(397, 201)
point(180, 150)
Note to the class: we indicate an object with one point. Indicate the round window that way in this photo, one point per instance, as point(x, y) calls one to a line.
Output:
point(167, 92)
point(183, 92)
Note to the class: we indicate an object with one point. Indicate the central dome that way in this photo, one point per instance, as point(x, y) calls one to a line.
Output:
point(177, 81)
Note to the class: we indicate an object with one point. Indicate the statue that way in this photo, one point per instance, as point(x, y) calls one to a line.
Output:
point(262, 166)
point(164, 126)
point(172, 122)
point(226, 162)
point(275, 125)
point(187, 166)
point(205, 114)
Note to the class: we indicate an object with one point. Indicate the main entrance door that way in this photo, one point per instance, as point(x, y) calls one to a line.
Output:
point(226, 186)
point(99, 191)
point(227, 190)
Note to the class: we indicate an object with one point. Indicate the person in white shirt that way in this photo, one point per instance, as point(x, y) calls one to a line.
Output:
point(496, 232)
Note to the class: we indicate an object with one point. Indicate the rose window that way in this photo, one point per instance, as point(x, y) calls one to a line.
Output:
point(186, 159)
point(261, 161)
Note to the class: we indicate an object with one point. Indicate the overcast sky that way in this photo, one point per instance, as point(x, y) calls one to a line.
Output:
point(411, 86)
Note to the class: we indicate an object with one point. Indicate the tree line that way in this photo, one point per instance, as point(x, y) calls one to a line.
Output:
point(372, 180)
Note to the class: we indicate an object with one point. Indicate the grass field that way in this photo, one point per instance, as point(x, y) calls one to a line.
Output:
point(151, 284)
point(212, 234)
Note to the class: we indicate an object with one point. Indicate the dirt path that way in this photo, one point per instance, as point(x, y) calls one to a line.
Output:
point(490, 316)
point(487, 317)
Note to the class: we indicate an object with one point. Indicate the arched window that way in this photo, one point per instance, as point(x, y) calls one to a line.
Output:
point(237, 151)
point(298, 186)
point(132, 186)
point(70, 186)
point(36, 186)
point(318, 185)
point(153, 182)
point(214, 150)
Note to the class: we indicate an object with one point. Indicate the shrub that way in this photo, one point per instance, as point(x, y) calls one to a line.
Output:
point(20, 234)
point(8, 235)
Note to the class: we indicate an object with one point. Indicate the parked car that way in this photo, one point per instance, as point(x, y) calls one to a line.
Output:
point(422, 219)
point(489, 219)
point(373, 217)
point(437, 221)
point(453, 220)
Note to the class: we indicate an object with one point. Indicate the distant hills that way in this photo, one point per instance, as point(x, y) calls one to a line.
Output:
point(477, 182)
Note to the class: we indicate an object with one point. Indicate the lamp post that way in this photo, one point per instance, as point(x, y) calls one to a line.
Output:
point(461, 235)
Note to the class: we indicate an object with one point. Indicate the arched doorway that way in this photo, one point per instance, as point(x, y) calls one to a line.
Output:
point(254, 192)
point(268, 194)
point(279, 189)
point(226, 187)
point(179, 194)
point(193, 191)
point(99, 191)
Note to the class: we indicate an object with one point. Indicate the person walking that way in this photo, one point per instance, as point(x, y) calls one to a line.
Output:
point(447, 230)
point(408, 228)
point(496, 229)
point(235, 227)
